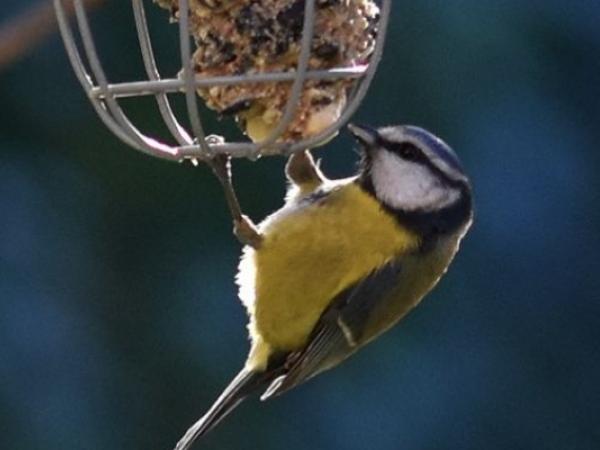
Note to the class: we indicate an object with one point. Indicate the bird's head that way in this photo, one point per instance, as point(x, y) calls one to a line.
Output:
point(409, 169)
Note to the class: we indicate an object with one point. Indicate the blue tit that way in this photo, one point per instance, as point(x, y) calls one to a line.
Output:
point(344, 260)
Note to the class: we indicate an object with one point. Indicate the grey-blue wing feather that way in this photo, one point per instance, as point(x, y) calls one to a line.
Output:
point(338, 331)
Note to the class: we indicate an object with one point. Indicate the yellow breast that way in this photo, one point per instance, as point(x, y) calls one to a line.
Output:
point(313, 252)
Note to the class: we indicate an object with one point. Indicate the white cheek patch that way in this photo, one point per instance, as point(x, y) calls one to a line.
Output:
point(407, 185)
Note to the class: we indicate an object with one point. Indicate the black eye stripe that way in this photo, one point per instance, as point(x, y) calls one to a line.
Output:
point(411, 152)
point(406, 150)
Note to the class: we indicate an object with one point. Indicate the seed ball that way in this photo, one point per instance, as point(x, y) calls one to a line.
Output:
point(236, 37)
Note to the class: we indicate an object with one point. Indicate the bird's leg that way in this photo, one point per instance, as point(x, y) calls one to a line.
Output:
point(302, 170)
point(243, 227)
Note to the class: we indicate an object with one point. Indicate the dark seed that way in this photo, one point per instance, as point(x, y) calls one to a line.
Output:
point(321, 101)
point(327, 3)
point(292, 18)
point(327, 50)
point(243, 21)
point(236, 108)
point(228, 52)
point(244, 64)
point(211, 4)
point(281, 47)
point(325, 83)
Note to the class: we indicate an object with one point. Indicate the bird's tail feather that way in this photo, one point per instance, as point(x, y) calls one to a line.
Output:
point(244, 384)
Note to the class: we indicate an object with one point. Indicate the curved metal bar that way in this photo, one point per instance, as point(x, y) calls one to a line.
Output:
point(98, 71)
point(164, 106)
point(291, 105)
point(167, 85)
point(189, 78)
point(83, 75)
point(69, 42)
point(144, 143)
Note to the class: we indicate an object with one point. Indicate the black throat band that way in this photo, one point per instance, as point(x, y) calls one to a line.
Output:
point(429, 225)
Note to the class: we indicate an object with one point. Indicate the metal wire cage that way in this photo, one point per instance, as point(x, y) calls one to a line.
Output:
point(196, 143)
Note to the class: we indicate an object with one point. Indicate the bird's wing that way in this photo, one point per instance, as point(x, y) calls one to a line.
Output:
point(338, 331)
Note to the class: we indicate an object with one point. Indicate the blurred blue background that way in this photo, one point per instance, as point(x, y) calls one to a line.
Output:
point(119, 322)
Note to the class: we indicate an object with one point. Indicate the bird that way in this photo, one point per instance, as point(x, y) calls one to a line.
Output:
point(345, 260)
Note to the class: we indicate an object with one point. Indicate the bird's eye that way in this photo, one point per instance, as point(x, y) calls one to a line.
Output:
point(406, 150)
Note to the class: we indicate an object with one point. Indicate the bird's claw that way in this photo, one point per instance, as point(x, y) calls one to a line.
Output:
point(246, 232)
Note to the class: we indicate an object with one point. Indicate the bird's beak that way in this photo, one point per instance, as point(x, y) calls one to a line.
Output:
point(366, 135)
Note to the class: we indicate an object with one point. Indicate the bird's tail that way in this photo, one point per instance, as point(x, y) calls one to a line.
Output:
point(244, 384)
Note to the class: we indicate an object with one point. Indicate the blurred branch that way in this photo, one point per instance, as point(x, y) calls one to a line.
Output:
point(20, 34)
